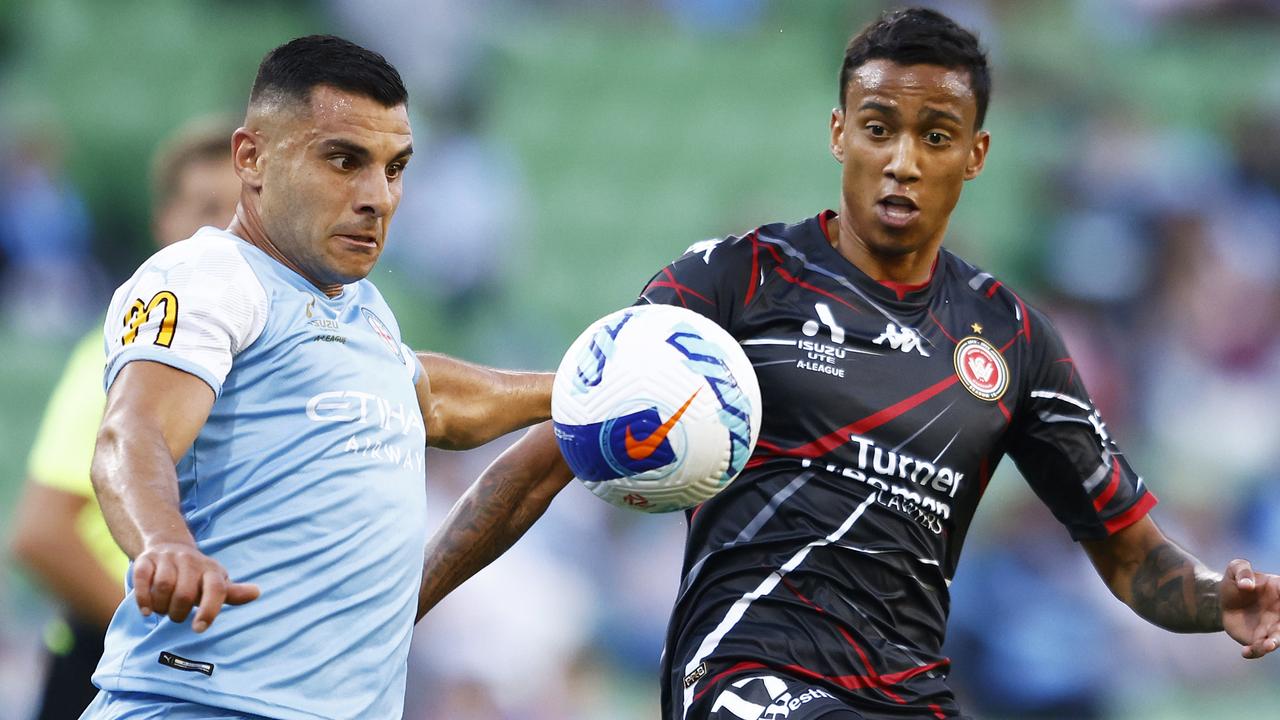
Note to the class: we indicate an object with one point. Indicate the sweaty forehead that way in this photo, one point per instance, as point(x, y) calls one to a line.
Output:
point(886, 80)
point(336, 112)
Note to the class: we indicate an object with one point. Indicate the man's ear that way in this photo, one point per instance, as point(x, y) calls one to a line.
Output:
point(837, 134)
point(978, 155)
point(247, 156)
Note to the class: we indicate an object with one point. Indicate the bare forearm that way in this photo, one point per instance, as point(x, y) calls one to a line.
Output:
point(483, 525)
point(1163, 583)
point(47, 543)
point(504, 502)
point(1172, 589)
point(137, 489)
point(70, 572)
point(473, 404)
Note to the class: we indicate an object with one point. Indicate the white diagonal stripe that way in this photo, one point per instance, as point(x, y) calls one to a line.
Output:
point(767, 341)
point(766, 586)
point(1064, 398)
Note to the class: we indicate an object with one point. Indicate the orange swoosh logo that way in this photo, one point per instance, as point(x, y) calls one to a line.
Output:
point(641, 449)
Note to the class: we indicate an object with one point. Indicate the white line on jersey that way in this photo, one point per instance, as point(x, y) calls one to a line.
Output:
point(788, 361)
point(751, 528)
point(1064, 398)
point(869, 551)
point(767, 341)
point(766, 586)
point(946, 447)
point(922, 429)
point(1098, 475)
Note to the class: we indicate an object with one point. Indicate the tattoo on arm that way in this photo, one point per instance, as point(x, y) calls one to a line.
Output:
point(1173, 590)
point(485, 523)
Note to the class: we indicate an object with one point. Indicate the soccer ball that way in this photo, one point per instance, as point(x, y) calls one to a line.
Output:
point(655, 408)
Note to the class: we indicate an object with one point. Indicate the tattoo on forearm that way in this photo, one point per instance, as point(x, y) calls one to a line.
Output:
point(1172, 590)
point(490, 518)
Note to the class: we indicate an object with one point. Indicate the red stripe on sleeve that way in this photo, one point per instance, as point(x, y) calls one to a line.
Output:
point(1133, 514)
point(1113, 485)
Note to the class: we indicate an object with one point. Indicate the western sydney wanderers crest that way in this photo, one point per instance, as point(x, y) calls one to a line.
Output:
point(381, 329)
point(981, 368)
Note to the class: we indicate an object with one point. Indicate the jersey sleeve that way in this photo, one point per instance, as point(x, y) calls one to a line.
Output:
point(714, 278)
point(1062, 447)
point(63, 448)
point(193, 306)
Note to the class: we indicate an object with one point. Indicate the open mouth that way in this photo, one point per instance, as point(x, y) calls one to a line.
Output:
point(897, 210)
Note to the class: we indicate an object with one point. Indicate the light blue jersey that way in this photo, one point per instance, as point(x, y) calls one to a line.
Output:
point(307, 479)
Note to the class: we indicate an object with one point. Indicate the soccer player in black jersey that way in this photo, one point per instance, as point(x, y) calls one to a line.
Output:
point(895, 376)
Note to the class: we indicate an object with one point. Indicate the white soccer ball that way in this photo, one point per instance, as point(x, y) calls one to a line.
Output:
point(656, 408)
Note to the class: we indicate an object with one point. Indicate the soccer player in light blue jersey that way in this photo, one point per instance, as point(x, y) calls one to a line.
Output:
point(261, 458)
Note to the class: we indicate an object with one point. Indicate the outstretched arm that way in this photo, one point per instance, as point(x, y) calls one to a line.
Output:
point(466, 405)
point(153, 415)
point(509, 496)
point(1169, 587)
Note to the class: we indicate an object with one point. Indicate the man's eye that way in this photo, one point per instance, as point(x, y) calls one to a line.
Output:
point(937, 138)
point(342, 162)
point(877, 130)
point(395, 170)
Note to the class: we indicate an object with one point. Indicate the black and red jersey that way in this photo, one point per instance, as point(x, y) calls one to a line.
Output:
point(885, 411)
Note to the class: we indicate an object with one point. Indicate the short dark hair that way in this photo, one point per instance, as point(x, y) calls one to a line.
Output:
point(291, 71)
point(199, 140)
point(919, 36)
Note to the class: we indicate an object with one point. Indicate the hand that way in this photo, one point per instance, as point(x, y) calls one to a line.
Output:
point(169, 578)
point(1251, 608)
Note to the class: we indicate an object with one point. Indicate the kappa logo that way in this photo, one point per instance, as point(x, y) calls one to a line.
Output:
point(381, 329)
point(905, 339)
point(981, 368)
point(642, 449)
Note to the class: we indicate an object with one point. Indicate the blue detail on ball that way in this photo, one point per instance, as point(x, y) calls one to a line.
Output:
point(598, 451)
point(592, 358)
point(704, 357)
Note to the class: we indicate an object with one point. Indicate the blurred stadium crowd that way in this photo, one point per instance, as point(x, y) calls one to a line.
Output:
point(568, 148)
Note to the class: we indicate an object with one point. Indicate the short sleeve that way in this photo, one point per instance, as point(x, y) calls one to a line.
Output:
point(193, 306)
point(415, 367)
point(63, 449)
point(714, 278)
point(1063, 448)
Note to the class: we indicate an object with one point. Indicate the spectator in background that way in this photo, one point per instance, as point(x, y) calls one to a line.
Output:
point(60, 536)
point(45, 234)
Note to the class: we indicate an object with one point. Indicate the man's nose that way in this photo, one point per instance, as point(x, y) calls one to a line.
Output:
point(374, 196)
point(904, 164)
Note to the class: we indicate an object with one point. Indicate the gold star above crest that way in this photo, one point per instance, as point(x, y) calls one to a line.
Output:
point(977, 328)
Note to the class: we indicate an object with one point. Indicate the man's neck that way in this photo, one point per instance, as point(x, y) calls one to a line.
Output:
point(906, 269)
point(247, 225)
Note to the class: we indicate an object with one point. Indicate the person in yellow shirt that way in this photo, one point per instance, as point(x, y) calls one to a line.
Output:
point(60, 537)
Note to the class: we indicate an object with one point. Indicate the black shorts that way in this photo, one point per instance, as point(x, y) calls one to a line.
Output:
point(770, 696)
point(67, 687)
